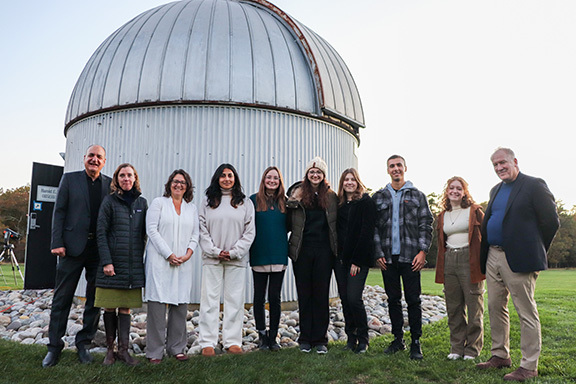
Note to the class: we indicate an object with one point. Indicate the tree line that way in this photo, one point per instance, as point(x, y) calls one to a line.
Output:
point(13, 215)
point(562, 254)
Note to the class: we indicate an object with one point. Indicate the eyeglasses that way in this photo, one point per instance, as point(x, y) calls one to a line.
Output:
point(176, 182)
point(312, 172)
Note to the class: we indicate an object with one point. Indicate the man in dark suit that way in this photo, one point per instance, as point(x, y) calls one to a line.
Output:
point(520, 223)
point(74, 242)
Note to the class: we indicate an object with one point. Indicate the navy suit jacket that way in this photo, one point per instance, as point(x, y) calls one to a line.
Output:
point(530, 223)
point(71, 218)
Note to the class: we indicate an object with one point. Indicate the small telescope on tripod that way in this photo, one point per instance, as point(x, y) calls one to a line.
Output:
point(8, 252)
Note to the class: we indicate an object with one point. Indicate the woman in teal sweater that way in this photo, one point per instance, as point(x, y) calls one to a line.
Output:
point(269, 254)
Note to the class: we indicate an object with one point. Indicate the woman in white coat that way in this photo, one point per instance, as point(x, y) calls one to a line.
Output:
point(173, 230)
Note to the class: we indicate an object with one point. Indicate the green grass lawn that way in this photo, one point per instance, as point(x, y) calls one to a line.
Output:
point(556, 296)
point(10, 279)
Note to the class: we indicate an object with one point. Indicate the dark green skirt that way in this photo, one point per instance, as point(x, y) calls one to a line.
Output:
point(118, 298)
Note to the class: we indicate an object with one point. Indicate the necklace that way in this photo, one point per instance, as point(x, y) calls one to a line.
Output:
point(452, 221)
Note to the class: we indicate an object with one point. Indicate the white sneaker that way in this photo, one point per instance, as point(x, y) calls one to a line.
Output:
point(453, 356)
point(467, 357)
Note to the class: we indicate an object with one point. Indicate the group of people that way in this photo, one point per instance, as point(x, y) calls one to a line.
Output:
point(105, 227)
point(507, 246)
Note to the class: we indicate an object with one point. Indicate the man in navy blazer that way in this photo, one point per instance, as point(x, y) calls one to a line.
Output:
point(74, 242)
point(520, 223)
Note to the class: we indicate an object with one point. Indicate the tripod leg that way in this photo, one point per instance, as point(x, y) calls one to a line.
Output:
point(15, 263)
point(1, 271)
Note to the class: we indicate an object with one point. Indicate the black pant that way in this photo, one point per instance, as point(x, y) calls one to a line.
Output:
point(313, 272)
point(274, 282)
point(412, 291)
point(351, 289)
point(68, 274)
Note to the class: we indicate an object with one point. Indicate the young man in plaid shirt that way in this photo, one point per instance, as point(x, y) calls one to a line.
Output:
point(402, 239)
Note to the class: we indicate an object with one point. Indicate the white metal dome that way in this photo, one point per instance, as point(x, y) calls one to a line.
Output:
point(227, 52)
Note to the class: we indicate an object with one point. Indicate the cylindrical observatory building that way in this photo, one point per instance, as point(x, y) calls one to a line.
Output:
point(196, 83)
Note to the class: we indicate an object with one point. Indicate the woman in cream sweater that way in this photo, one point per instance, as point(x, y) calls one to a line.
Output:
point(226, 234)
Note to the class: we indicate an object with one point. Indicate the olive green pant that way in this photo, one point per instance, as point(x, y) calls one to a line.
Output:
point(464, 304)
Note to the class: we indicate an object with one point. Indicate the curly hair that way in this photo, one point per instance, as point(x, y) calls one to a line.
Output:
point(115, 184)
point(214, 192)
point(467, 199)
point(189, 194)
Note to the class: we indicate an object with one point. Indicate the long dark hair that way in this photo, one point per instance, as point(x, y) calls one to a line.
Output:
point(189, 194)
point(263, 202)
point(308, 194)
point(214, 192)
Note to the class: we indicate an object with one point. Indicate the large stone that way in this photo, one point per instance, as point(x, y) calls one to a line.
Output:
point(15, 325)
point(5, 320)
point(375, 324)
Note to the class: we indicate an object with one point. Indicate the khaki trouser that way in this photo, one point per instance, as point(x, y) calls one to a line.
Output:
point(466, 332)
point(501, 283)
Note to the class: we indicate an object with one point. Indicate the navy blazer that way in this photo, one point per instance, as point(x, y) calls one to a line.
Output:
point(530, 223)
point(71, 218)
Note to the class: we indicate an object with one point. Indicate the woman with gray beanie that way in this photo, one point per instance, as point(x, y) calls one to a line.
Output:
point(312, 210)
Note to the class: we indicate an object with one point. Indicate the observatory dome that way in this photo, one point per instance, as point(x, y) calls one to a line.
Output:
point(218, 52)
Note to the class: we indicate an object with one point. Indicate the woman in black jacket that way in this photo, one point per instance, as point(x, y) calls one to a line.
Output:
point(312, 209)
point(356, 221)
point(121, 236)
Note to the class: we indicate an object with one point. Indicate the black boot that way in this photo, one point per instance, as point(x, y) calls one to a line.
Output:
point(263, 341)
point(352, 343)
point(416, 350)
point(395, 346)
point(272, 343)
point(51, 359)
point(362, 345)
point(83, 355)
point(123, 340)
point(110, 326)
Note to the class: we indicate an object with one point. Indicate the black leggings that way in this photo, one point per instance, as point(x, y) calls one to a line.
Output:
point(274, 282)
point(351, 289)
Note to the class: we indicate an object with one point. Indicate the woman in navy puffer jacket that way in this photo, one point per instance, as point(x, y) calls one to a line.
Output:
point(121, 240)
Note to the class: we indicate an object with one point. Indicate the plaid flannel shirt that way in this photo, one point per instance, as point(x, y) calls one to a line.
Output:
point(415, 224)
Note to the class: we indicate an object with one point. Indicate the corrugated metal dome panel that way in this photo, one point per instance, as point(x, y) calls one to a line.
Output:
point(341, 97)
point(217, 51)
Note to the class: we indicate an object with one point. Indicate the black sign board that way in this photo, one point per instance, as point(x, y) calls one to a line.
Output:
point(40, 272)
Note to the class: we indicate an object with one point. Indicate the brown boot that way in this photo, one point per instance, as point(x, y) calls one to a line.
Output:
point(521, 374)
point(110, 325)
point(495, 362)
point(123, 340)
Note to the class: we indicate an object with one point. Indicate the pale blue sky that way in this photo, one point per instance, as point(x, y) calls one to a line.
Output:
point(443, 82)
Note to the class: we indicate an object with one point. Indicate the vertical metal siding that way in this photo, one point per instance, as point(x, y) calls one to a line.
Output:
point(157, 140)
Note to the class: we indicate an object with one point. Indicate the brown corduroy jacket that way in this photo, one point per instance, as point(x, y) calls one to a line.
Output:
point(474, 239)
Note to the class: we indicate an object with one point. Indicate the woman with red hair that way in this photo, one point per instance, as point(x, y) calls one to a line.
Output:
point(458, 267)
